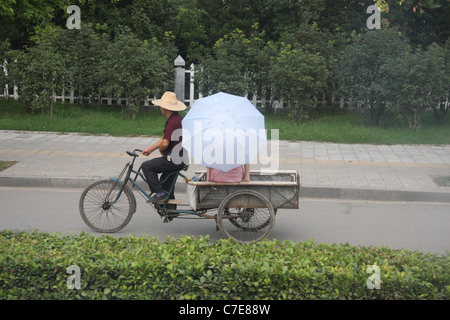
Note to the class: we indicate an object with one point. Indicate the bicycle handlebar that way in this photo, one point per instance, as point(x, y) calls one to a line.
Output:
point(133, 153)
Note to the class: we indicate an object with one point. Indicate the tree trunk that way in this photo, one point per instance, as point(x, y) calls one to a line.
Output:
point(376, 111)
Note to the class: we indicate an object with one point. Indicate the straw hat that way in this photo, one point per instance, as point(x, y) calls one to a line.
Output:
point(169, 101)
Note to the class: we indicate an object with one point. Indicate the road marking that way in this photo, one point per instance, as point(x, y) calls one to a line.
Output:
point(262, 160)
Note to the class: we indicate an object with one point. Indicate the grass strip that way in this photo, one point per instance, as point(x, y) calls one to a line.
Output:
point(344, 127)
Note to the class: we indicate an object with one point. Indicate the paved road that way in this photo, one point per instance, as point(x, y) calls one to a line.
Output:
point(415, 226)
point(328, 170)
point(354, 175)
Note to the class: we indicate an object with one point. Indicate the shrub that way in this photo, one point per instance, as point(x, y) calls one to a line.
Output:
point(39, 74)
point(418, 82)
point(361, 74)
point(133, 70)
point(237, 66)
point(34, 265)
point(299, 77)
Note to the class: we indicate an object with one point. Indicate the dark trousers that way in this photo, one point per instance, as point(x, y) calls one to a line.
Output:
point(153, 167)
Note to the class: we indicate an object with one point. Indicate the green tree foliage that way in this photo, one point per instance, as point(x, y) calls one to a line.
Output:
point(83, 52)
point(381, 73)
point(147, 18)
point(422, 21)
point(39, 73)
point(238, 64)
point(287, 15)
point(191, 34)
point(325, 44)
point(220, 37)
point(91, 64)
point(440, 111)
point(223, 17)
point(360, 70)
point(19, 18)
point(417, 82)
point(134, 70)
point(299, 77)
point(4, 48)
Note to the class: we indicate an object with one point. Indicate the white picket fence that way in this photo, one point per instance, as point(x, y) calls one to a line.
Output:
point(181, 86)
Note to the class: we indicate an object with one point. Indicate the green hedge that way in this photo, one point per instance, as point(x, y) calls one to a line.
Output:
point(34, 265)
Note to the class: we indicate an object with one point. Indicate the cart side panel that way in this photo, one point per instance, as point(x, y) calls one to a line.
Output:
point(281, 196)
point(210, 197)
point(286, 176)
point(245, 201)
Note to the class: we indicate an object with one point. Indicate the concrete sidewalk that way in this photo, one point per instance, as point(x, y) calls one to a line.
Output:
point(328, 170)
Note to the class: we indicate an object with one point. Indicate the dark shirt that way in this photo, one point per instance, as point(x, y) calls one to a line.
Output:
point(172, 124)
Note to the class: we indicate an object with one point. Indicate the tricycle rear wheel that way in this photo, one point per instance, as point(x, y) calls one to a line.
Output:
point(246, 216)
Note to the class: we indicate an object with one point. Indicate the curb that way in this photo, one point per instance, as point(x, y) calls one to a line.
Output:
point(305, 192)
point(373, 194)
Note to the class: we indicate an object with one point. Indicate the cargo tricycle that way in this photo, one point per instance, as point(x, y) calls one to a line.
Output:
point(244, 211)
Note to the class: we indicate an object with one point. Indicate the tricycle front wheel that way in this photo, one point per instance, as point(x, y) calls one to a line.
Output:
point(102, 210)
point(246, 216)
